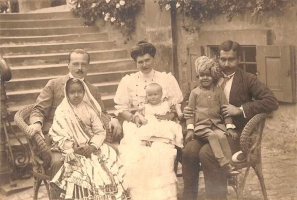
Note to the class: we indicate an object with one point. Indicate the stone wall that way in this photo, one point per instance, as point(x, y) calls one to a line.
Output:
point(273, 28)
point(280, 28)
point(152, 25)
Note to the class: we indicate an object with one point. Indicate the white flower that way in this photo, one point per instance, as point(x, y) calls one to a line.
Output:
point(107, 1)
point(93, 5)
point(122, 23)
point(122, 2)
point(118, 5)
point(102, 13)
point(177, 5)
point(112, 19)
point(78, 5)
point(167, 7)
point(106, 16)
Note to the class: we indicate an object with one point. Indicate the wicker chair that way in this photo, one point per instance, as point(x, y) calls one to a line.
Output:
point(40, 153)
point(250, 143)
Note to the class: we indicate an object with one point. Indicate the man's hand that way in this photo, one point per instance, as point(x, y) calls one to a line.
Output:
point(34, 128)
point(230, 110)
point(115, 126)
point(189, 137)
point(188, 112)
point(88, 150)
point(232, 133)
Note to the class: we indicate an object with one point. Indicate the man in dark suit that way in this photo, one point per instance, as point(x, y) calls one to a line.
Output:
point(51, 96)
point(247, 97)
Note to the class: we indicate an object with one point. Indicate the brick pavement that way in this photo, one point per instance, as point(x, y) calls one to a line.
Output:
point(280, 174)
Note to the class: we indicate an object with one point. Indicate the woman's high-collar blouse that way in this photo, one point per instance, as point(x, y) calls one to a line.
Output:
point(131, 92)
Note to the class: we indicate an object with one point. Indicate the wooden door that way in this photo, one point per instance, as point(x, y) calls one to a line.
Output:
point(194, 52)
point(276, 68)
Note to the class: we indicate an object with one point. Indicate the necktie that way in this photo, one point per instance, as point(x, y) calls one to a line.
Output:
point(226, 78)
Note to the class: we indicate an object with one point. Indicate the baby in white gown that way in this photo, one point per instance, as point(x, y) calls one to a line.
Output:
point(151, 124)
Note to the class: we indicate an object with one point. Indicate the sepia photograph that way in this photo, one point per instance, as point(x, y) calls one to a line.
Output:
point(84, 82)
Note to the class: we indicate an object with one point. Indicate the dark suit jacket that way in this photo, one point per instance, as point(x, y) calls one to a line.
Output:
point(50, 98)
point(247, 91)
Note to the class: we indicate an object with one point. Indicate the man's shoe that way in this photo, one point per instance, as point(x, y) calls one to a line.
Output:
point(238, 157)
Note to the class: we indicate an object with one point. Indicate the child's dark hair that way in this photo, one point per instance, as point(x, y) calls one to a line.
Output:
point(73, 81)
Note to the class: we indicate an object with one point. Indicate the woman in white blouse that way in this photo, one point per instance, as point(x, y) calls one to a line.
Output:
point(150, 170)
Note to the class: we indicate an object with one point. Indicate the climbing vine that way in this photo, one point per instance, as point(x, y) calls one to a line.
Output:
point(121, 13)
point(206, 9)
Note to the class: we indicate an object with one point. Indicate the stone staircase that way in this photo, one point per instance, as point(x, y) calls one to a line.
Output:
point(36, 46)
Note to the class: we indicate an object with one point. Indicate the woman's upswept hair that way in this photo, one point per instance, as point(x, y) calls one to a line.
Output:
point(204, 63)
point(143, 48)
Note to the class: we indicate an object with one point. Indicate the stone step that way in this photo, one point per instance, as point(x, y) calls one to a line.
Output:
point(61, 69)
point(56, 47)
point(34, 16)
point(46, 31)
point(14, 107)
point(26, 97)
point(20, 86)
point(60, 58)
point(39, 23)
point(54, 38)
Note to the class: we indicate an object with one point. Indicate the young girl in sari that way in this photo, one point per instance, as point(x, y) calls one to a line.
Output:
point(91, 168)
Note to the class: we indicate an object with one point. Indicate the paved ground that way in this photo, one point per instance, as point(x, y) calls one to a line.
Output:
point(280, 173)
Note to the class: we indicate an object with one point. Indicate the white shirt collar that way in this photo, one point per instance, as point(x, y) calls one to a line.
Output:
point(228, 76)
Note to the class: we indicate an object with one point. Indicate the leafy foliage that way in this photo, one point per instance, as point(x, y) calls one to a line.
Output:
point(206, 9)
point(121, 13)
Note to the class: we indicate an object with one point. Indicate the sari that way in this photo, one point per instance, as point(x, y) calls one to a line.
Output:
point(102, 175)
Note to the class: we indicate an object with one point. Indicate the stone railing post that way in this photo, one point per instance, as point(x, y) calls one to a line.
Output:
point(159, 32)
point(30, 5)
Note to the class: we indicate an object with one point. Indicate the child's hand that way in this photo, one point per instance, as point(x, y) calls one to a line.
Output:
point(78, 150)
point(189, 137)
point(139, 120)
point(88, 150)
point(68, 144)
point(232, 133)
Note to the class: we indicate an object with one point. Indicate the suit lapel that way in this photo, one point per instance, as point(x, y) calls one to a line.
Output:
point(63, 82)
point(236, 85)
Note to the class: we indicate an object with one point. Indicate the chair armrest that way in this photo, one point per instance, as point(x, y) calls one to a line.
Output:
point(20, 117)
point(254, 126)
point(39, 151)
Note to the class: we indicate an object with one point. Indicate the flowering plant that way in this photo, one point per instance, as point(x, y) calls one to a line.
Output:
point(206, 9)
point(121, 13)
